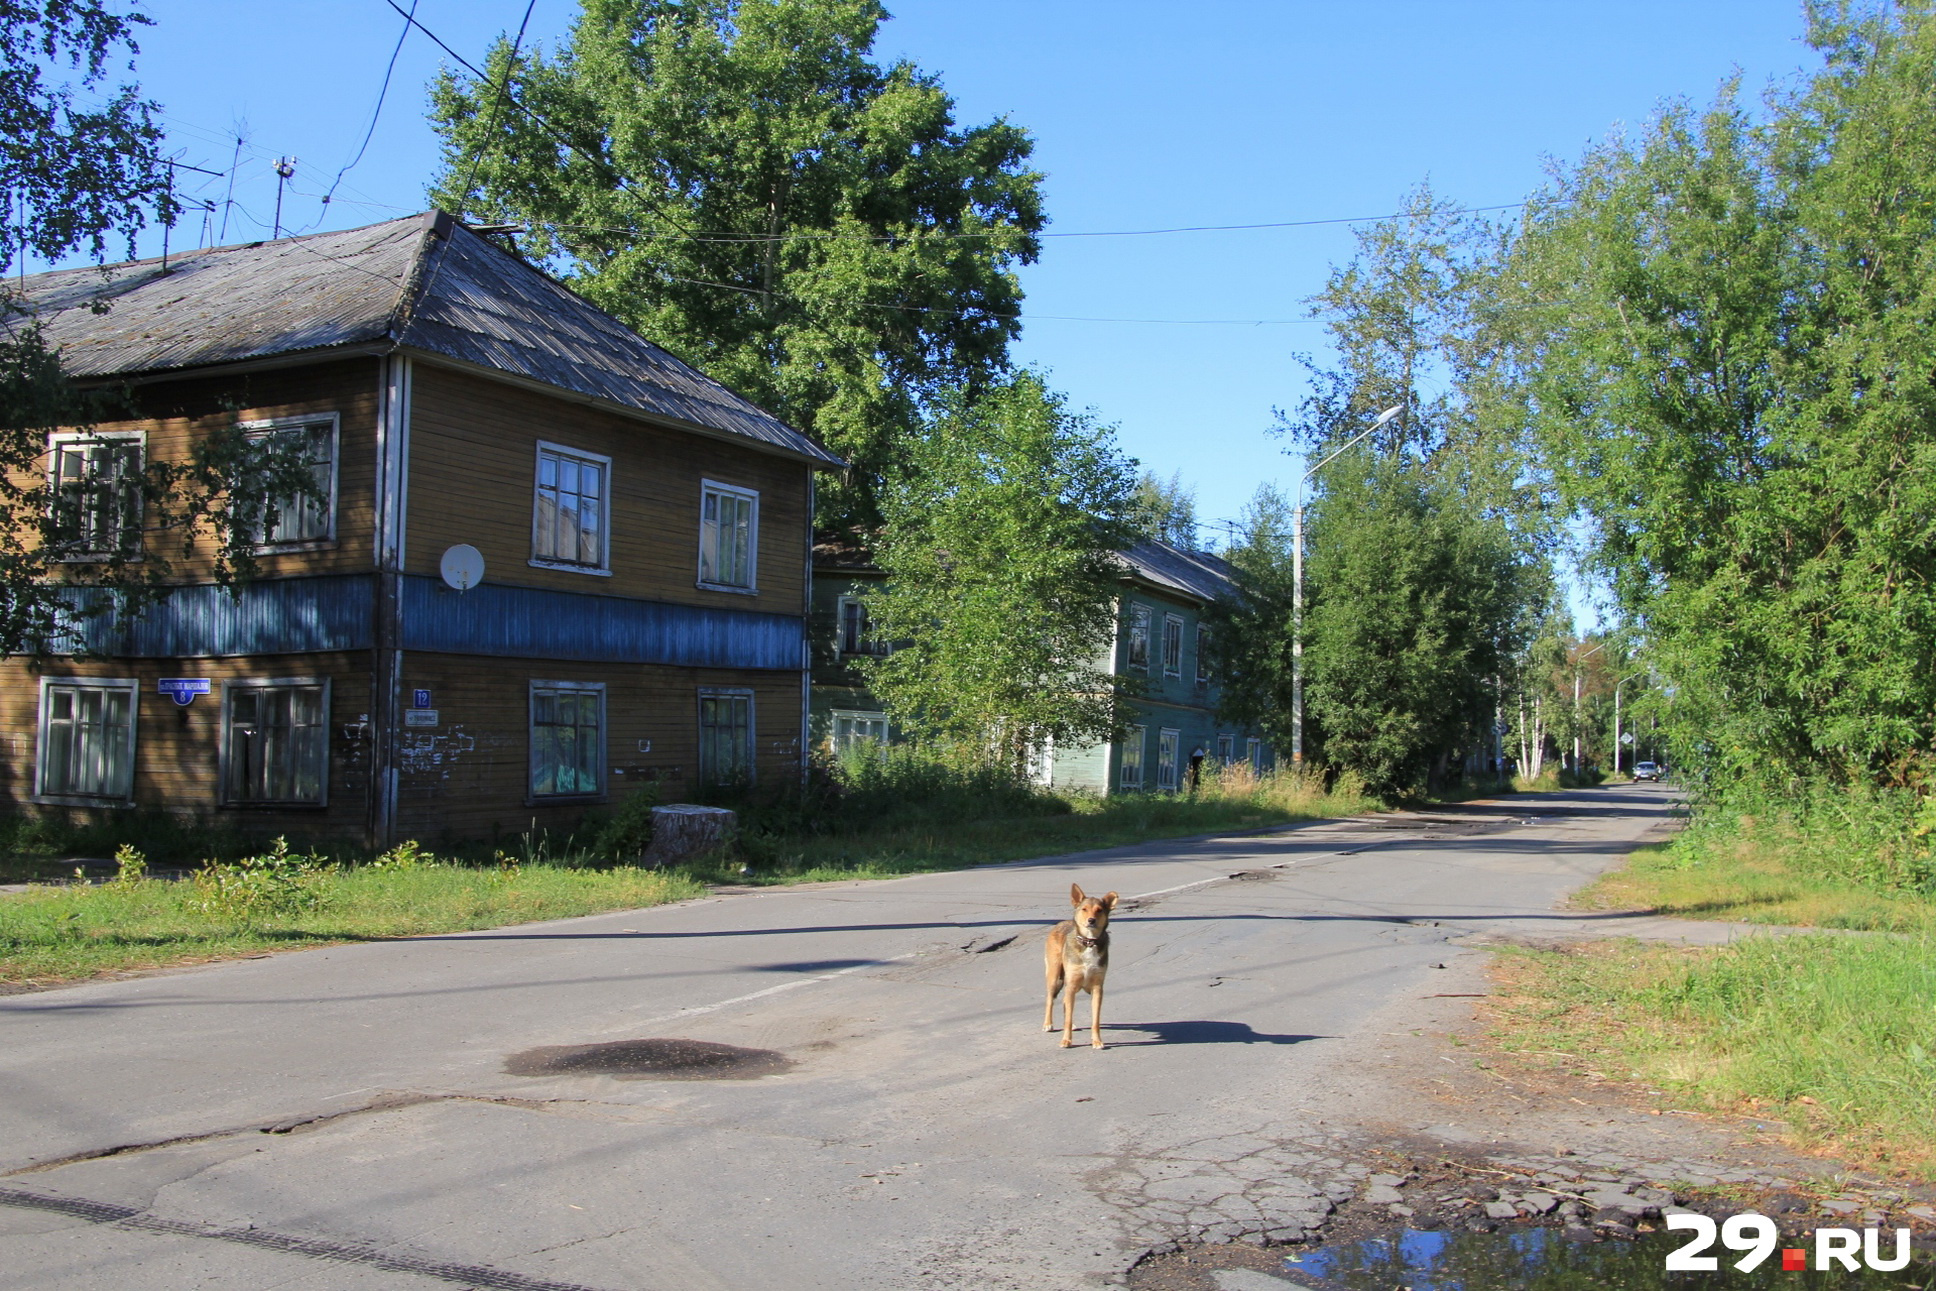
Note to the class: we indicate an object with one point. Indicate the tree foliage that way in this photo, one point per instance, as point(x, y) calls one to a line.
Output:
point(742, 183)
point(80, 179)
point(1002, 526)
point(1249, 632)
point(1724, 331)
point(1165, 510)
point(1425, 554)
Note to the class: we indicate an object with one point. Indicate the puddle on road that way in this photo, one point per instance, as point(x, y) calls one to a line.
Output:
point(1544, 1259)
point(649, 1060)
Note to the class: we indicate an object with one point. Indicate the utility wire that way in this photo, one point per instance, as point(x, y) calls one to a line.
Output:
point(376, 113)
point(497, 105)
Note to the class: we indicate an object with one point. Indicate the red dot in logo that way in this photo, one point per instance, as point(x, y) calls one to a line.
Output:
point(1794, 1260)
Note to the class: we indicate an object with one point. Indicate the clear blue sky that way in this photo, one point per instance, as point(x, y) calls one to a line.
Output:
point(1145, 115)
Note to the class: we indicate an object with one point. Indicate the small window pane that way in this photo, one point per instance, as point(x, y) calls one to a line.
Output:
point(567, 741)
point(728, 537)
point(725, 738)
point(278, 744)
point(568, 524)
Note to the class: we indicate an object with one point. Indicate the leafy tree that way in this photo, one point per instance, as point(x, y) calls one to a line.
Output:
point(1250, 630)
point(1725, 334)
point(80, 179)
point(1410, 628)
point(1002, 528)
point(1424, 546)
point(1165, 510)
point(739, 181)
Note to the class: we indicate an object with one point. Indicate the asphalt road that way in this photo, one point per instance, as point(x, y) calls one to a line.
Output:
point(345, 1118)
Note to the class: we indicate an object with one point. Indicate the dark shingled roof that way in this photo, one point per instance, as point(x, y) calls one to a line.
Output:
point(423, 283)
point(1197, 575)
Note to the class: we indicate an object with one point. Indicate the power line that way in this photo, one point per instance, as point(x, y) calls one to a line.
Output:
point(383, 92)
point(497, 105)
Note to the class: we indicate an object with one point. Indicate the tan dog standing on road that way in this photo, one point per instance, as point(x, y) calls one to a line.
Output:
point(1075, 959)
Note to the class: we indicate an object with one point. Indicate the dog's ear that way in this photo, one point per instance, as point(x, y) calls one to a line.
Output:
point(1109, 899)
point(1075, 894)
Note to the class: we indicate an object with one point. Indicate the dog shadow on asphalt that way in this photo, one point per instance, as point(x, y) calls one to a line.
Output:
point(1199, 1033)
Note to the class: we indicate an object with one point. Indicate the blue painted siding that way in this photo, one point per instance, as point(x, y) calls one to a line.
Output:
point(279, 616)
point(529, 623)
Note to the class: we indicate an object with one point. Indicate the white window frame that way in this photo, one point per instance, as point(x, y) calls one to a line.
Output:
point(1138, 740)
point(263, 429)
point(1139, 626)
point(584, 457)
point(1203, 660)
point(752, 730)
point(226, 759)
point(840, 715)
point(1254, 754)
point(1169, 753)
point(532, 690)
point(122, 798)
point(866, 647)
point(1041, 762)
point(1173, 660)
point(1226, 749)
point(752, 585)
point(61, 438)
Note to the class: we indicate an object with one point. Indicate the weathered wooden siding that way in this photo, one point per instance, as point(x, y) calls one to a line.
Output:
point(178, 749)
point(473, 453)
point(468, 777)
point(537, 623)
point(175, 414)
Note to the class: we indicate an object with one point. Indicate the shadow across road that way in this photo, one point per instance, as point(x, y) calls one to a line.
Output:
point(1200, 1032)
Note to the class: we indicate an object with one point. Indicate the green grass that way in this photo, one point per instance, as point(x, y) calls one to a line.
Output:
point(50, 934)
point(1710, 879)
point(876, 823)
point(1835, 1035)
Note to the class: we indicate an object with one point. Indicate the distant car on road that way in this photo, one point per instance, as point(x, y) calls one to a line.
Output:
point(1646, 771)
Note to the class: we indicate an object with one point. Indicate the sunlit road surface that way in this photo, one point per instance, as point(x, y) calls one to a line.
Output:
point(345, 1117)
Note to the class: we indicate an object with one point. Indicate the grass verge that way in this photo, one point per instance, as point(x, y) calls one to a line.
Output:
point(878, 819)
point(1834, 1035)
point(50, 934)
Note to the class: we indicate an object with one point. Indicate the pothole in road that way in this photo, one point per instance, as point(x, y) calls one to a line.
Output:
point(649, 1060)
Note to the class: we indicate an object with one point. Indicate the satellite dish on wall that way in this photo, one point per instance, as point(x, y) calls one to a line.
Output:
point(462, 567)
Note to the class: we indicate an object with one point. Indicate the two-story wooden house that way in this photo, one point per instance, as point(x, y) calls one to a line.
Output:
point(543, 562)
point(1158, 644)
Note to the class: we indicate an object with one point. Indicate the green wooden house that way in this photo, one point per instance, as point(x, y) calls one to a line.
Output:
point(1159, 642)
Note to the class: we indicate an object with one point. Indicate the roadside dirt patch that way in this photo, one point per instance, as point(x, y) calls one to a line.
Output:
point(649, 1060)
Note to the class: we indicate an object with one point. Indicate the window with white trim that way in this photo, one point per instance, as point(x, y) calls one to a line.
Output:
point(1254, 751)
point(1226, 749)
point(571, 510)
point(95, 481)
point(275, 742)
point(1168, 745)
point(309, 516)
point(1138, 656)
point(729, 535)
point(725, 737)
point(1041, 762)
point(1203, 654)
point(1131, 775)
point(855, 730)
point(1172, 645)
point(567, 739)
point(86, 740)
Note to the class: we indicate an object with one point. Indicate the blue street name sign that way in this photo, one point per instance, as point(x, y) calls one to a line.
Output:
point(182, 689)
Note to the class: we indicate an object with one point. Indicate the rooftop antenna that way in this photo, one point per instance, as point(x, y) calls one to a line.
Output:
point(285, 167)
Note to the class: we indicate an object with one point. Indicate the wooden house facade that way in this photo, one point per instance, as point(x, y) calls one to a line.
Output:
point(643, 537)
point(1158, 645)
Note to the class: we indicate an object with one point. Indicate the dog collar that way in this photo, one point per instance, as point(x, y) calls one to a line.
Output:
point(1088, 943)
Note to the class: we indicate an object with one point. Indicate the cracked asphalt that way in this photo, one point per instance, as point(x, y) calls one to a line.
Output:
point(346, 1117)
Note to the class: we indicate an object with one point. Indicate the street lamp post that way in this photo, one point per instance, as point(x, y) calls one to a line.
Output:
point(1297, 582)
point(1616, 717)
point(1577, 661)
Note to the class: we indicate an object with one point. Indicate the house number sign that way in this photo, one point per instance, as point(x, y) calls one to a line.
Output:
point(182, 689)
